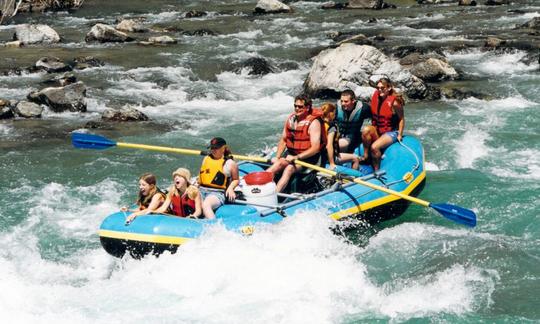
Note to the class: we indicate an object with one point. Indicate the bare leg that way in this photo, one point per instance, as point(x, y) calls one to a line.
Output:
point(209, 204)
point(376, 150)
point(285, 178)
point(344, 144)
point(369, 135)
point(349, 157)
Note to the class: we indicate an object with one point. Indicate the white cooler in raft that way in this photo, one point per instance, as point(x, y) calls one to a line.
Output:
point(260, 189)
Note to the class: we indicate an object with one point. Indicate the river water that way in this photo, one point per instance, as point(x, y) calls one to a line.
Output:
point(481, 154)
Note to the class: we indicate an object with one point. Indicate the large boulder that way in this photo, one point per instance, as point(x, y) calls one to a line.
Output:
point(352, 66)
point(532, 24)
point(124, 114)
point(35, 34)
point(104, 33)
point(335, 69)
point(70, 97)
point(85, 62)
point(271, 6)
point(28, 109)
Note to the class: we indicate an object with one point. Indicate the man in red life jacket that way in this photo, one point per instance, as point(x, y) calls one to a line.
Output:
point(302, 139)
point(387, 122)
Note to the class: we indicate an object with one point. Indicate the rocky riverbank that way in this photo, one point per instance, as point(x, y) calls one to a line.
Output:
point(354, 58)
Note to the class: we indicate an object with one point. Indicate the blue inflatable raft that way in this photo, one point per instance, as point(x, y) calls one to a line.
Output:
point(402, 170)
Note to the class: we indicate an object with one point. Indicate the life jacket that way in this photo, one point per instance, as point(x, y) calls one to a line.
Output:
point(144, 204)
point(212, 174)
point(383, 117)
point(181, 205)
point(350, 127)
point(297, 139)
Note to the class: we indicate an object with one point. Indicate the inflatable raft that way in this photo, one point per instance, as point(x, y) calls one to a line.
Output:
point(402, 170)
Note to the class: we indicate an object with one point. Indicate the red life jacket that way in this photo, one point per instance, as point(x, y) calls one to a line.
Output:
point(182, 206)
point(297, 139)
point(383, 116)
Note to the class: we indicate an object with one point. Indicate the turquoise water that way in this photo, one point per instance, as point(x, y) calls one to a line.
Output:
point(481, 154)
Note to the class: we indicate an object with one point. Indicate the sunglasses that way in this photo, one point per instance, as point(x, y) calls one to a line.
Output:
point(299, 106)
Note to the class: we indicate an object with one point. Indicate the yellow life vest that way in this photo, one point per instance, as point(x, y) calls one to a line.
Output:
point(212, 174)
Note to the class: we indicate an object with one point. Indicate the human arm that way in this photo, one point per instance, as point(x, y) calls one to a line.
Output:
point(281, 144)
point(163, 208)
point(154, 204)
point(330, 150)
point(401, 125)
point(234, 175)
point(198, 206)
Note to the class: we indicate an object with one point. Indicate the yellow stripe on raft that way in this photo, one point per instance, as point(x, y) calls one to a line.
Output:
point(144, 237)
point(378, 202)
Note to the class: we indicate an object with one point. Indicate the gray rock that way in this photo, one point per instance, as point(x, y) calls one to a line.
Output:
point(70, 97)
point(124, 114)
point(35, 34)
point(496, 2)
point(195, 14)
point(51, 65)
point(131, 26)
point(365, 4)
point(5, 109)
point(494, 42)
point(84, 62)
point(256, 66)
point(14, 44)
point(60, 81)
point(359, 39)
point(404, 81)
point(433, 70)
point(467, 3)
point(333, 5)
point(28, 109)
point(532, 24)
point(105, 33)
point(271, 6)
point(162, 40)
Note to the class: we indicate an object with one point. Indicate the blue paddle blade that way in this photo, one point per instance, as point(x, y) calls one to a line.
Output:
point(457, 214)
point(91, 141)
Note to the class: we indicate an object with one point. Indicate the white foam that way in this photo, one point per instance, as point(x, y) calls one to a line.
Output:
point(471, 146)
point(5, 129)
point(489, 63)
point(431, 166)
point(520, 164)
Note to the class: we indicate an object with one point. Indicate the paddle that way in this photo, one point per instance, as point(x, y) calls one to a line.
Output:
point(97, 142)
point(454, 213)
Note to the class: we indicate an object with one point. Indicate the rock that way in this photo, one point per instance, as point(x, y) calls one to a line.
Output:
point(60, 81)
point(379, 38)
point(124, 114)
point(461, 93)
point(200, 32)
point(433, 70)
point(35, 34)
point(256, 66)
point(131, 26)
point(28, 109)
point(270, 7)
point(51, 65)
point(84, 62)
point(494, 42)
point(532, 24)
point(402, 79)
point(334, 69)
point(467, 3)
point(70, 97)
point(195, 14)
point(14, 44)
point(105, 33)
point(359, 39)
point(333, 5)
point(159, 40)
point(365, 4)
point(496, 2)
point(5, 109)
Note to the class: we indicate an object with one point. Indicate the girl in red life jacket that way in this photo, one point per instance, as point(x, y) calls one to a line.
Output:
point(388, 121)
point(150, 197)
point(332, 135)
point(183, 199)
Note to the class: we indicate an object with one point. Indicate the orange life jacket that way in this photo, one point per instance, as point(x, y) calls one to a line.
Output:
point(181, 205)
point(297, 139)
point(382, 117)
